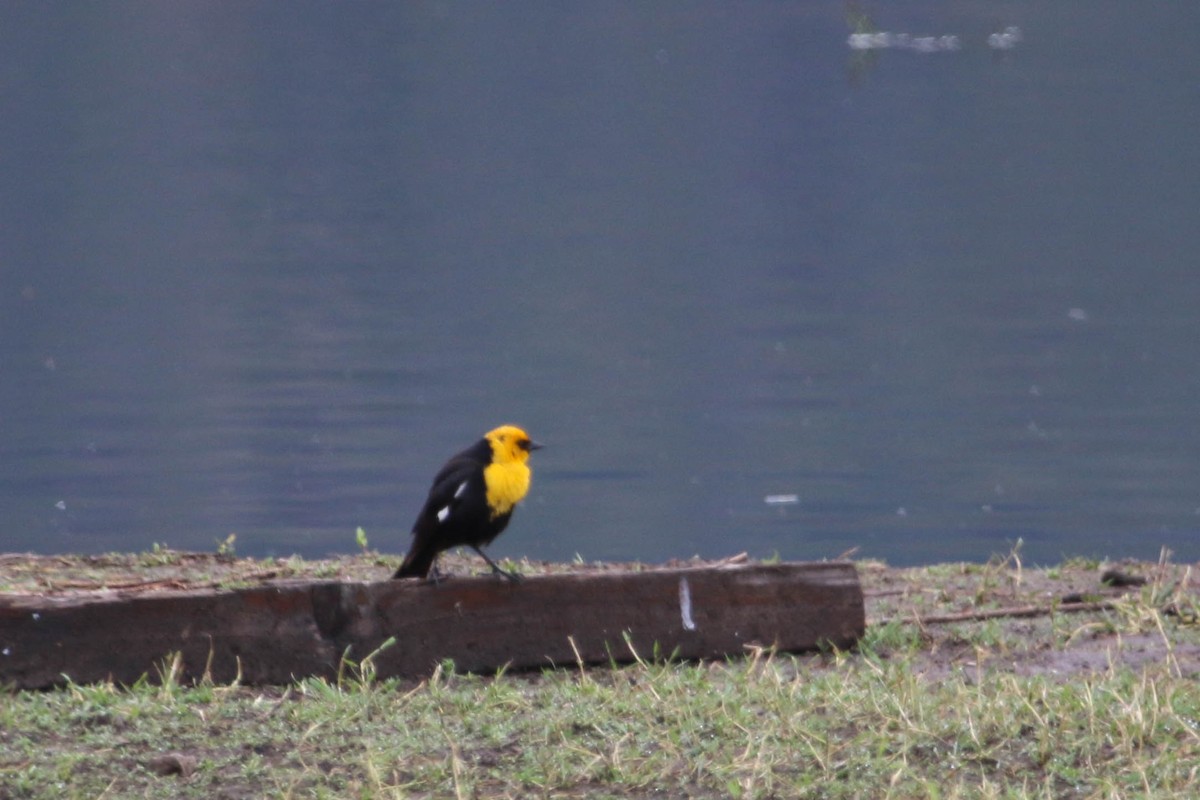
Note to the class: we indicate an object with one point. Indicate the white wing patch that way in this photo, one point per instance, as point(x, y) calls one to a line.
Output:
point(444, 513)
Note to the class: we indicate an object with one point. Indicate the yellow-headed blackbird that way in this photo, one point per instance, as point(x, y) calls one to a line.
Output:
point(471, 500)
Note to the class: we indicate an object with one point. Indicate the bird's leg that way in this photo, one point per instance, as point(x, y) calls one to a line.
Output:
point(512, 576)
point(436, 576)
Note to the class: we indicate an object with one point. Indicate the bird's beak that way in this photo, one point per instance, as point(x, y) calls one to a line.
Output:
point(534, 446)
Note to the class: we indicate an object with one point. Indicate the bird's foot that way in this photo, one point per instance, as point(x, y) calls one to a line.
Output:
point(513, 577)
point(496, 570)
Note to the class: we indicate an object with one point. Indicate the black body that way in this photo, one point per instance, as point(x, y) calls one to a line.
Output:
point(468, 521)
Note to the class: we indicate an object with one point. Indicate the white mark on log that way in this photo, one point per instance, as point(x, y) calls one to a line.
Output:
point(685, 605)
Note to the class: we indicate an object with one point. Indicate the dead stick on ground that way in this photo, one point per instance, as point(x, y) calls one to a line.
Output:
point(1019, 611)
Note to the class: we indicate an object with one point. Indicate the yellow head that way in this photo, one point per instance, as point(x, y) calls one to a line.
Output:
point(510, 445)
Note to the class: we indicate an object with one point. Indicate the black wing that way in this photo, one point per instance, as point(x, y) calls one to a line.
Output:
point(458, 487)
point(454, 511)
point(479, 454)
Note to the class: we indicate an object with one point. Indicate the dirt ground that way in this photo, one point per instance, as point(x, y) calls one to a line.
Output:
point(1076, 617)
point(1062, 621)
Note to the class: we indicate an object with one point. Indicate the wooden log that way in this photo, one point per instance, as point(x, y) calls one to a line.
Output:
point(284, 630)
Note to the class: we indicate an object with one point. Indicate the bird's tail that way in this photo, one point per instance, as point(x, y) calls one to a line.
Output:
point(416, 563)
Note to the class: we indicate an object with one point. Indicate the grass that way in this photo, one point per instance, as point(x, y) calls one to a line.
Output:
point(841, 725)
point(1100, 705)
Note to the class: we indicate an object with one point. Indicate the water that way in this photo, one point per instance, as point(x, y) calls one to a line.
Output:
point(756, 288)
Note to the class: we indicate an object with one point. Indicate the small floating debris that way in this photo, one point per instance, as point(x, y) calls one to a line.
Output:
point(781, 499)
point(1077, 315)
point(1006, 40)
point(903, 41)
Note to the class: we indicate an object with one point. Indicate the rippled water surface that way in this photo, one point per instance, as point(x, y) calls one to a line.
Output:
point(782, 278)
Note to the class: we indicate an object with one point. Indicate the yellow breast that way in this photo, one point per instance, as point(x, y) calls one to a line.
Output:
point(506, 485)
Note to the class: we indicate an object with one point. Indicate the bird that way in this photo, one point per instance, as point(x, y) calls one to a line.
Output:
point(471, 501)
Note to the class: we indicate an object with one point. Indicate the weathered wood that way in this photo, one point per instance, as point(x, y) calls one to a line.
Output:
point(285, 630)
